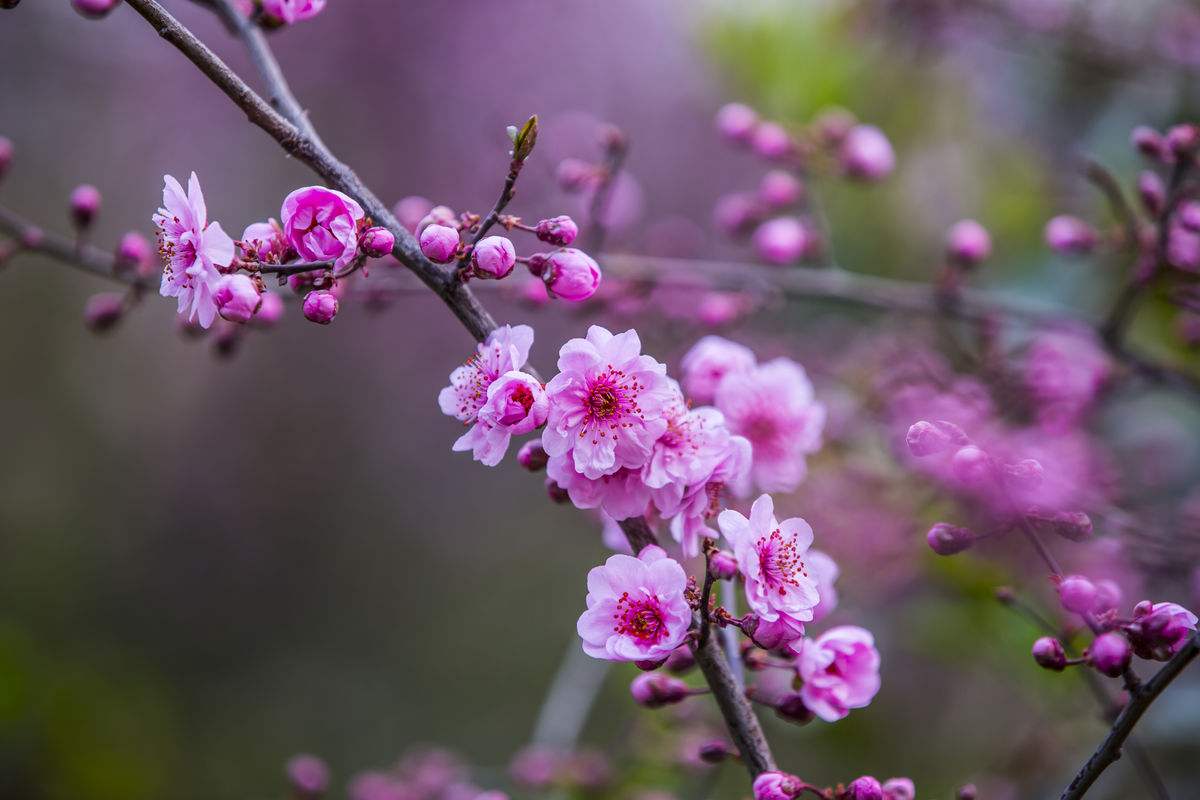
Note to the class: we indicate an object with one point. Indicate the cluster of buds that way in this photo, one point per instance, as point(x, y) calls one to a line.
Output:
point(775, 785)
point(1155, 632)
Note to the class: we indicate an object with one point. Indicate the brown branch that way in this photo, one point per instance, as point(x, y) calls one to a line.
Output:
point(84, 258)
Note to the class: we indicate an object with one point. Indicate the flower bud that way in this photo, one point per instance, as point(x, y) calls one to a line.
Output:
point(1109, 654)
point(1027, 474)
point(866, 154)
point(774, 785)
point(899, 789)
point(1148, 142)
point(271, 310)
point(736, 213)
point(1108, 595)
point(783, 240)
point(237, 297)
point(946, 539)
point(925, 438)
point(574, 174)
point(972, 466)
point(714, 751)
point(571, 275)
point(1071, 235)
point(655, 690)
point(532, 456)
point(722, 565)
point(493, 258)
point(133, 252)
point(736, 122)
point(1159, 630)
point(308, 776)
point(94, 9)
point(1182, 139)
point(559, 231)
point(439, 243)
point(681, 660)
point(85, 204)
point(864, 788)
point(792, 708)
point(1073, 525)
point(1188, 215)
point(968, 243)
point(557, 493)
point(103, 311)
point(1077, 594)
point(288, 12)
point(377, 242)
point(320, 306)
point(771, 140)
point(1152, 192)
point(967, 792)
point(1048, 652)
point(649, 664)
point(779, 189)
point(6, 154)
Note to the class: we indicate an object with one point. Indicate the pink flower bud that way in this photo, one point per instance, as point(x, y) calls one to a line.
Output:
point(556, 493)
point(773, 785)
point(866, 154)
point(376, 242)
point(967, 792)
point(722, 565)
point(864, 788)
point(493, 258)
point(1077, 594)
point(736, 122)
point(925, 438)
point(287, 12)
point(736, 213)
point(320, 306)
point(410, 210)
point(103, 311)
point(558, 231)
point(783, 240)
point(771, 140)
point(1067, 234)
point(271, 310)
point(1108, 595)
point(655, 690)
point(85, 204)
point(571, 275)
point(6, 154)
point(574, 174)
point(1109, 654)
point(1189, 215)
point(1182, 139)
point(1048, 652)
point(237, 297)
point(1159, 630)
point(1073, 525)
point(972, 467)
point(438, 215)
point(946, 539)
point(133, 252)
point(681, 660)
point(899, 789)
point(779, 189)
point(1026, 475)
point(968, 243)
point(532, 456)
point(792, 708)
point(94, 9)
point(439, 243)
point(308, 775)
point(1149, 142)
point(1152, 192)
point(714, 751)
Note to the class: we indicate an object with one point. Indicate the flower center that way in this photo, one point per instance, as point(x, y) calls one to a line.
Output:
point(780, 561)
point(640, 619)
point(611, 399)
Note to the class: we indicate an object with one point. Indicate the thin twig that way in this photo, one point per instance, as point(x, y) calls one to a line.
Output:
point(85, 258)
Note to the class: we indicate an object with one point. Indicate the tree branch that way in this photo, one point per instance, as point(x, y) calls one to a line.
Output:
point(84, 258)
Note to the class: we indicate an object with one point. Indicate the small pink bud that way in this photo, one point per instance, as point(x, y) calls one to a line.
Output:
point(681, 660)
point(1182, 139)
point(6, 155)
point(377, 242)
point(32, 237)
point(967, 792)
point(736, 122)
point(722, 565)
point(438, 215)
point(288, 12)
point(1149, 142)
point(771, 141)
point(783, 240)
point(411, 210)
point(972, 466)
point(946, 539)
point(493, 258)
point(308, 775)
point(792, 708)
point(774, 785)
point(532, 456)
point(968, 243)
point(237, 297)
point(439, 243)
point(133, 252)
point(1027, 474)
point(85, 204)
point(320, 306)
point(1048, 652)
point(1077, 594)
point(103, 311)
point(1159, 630)
point(864, 788)
point(556, 493)
point(94, 9)
point(655, 690)
point(1108, 595)
point(1189, 215)
point(574, 174)
point(714, 751)
point(1109, 654)
point(925, 438)
point(899, 789)
point(271, 310)
point(1067, 234)
point(559, 231)
point(1152, 192)
point(866, 154)
point(649, 664)
point(571, 275)
point(779, 189)
point(1073, 525)
point(736, 213)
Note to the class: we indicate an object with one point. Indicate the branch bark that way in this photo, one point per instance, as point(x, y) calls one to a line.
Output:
point(85, 258)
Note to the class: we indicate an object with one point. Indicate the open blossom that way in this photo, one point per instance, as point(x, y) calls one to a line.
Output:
point(192, 250)
point(505, 350)
point(840, 670)
point(289, 11)
point(699, 501)
point(322, 224)
point(621, 495)
point(773, 406)
point(636, 610)
point(607, 403)
point(771, 554)
point(516, 403)
point(710, 360)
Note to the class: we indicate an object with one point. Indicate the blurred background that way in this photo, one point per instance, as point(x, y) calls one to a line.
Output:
point(208, 565)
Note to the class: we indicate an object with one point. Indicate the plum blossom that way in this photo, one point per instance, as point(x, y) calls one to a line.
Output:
point(322, 224)
point(621, 495)
point(840, 670)
point(771, 556)
point(264, 241)
point(516, 403)
point(607, 403)
point(193, 250)
point(1160, 630)
point(708, 362)
point(1064, 372)
point(290, 11)
point(773, 406)
point(636, 610)
point(825, 570)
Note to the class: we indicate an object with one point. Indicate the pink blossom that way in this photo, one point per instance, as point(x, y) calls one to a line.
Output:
point(840, 670)
point(783, 240)
point(636, 610)
point(773, 406)
point(192, 249)
point(572, 275)
point(1160, 630)
point(736, 121)
point(607, 403)
point(322, 224)
point(264, 241)
point(237, 297)
point(866, 154)
point(1064, 372)
point(773, 785)
point(439, 243)
point(771, 556)
point(516, 403)
point(290, 11)
point(493, 258)
point(709, 361)
point(621, 495)
point(825, 571)
point(320, 306)
point(506, 349)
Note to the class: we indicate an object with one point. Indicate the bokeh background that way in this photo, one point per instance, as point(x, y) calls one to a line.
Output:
point(207, 565)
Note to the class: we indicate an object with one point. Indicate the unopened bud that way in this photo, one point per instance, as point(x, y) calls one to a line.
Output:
point(925, 438)
point(1026, 474)
point(377, 242)
point(655, 690)
point(1189, 215)
point(972, 466)
point(1077, 594)
point(681, 660)
point(1073, 525)
point(308, 775)
point(94, 9)
point(1109, 654)
point(736, 122)
point(864, 788)
point(1048, 652)
point(85, 204)
point(320, 306)
point(946, 539)
point(866, 154)
point(559, 231)
point(779, 189)
point(899, 789)
point(714, 751)
point(133, 252)
point(722, 565)
point(968, 243)
point(6, 155)
point(439, 243)
point(771, 141)
point(493, 258)
point(569, 274)
point(532, 456)
point(783, 240)
point(556, 493)
point(270, 311)
point(103, 311)
point(1151, 192)
point(237, 297)
point(967, 792)
point(438, 215)
point(1067, 234)
point(1182, 139)
point(574, 174)
point(792, 708)
point(1148, 142)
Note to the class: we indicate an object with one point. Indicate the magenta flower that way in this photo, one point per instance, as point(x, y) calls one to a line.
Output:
point(840, 670)
point(290, 11)
point(192, 249)
point(607, 403)
point(505, 350)
point(772, 785)
point(783, 240)
point(264, 241)
point(439, 243)
point(516, 403)
point(636, 610)
point(771, 556)
point(322, 224)
point(1160, 630)
point(773, 406)
point(572, 275)
point(709, 361)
